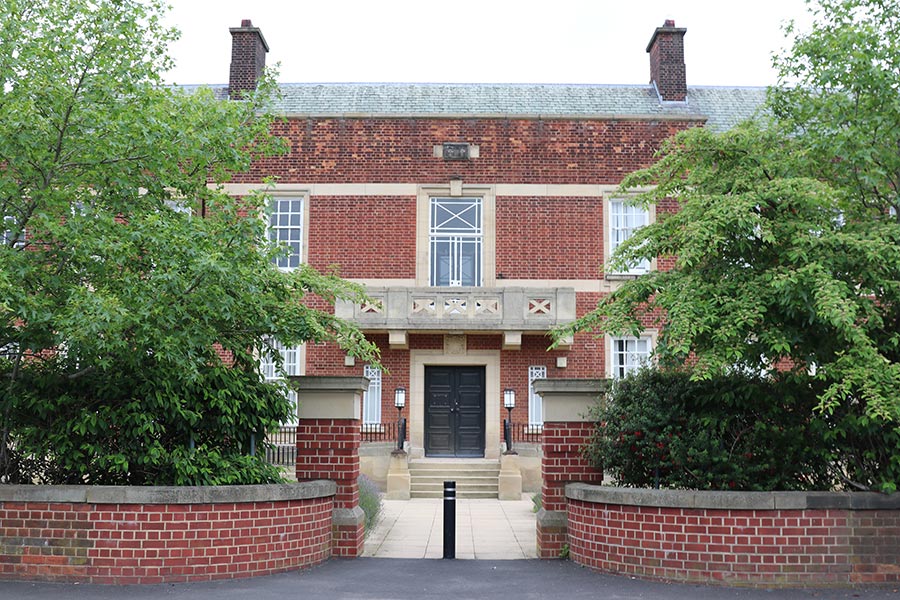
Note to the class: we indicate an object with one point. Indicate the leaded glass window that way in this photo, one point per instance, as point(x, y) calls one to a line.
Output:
point(456, 237)
point(535, 404)
point(372, 396)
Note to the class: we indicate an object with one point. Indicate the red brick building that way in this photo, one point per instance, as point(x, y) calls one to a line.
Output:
point(478, 217)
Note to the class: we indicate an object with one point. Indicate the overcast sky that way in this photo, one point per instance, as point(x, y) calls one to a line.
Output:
point(479, 41)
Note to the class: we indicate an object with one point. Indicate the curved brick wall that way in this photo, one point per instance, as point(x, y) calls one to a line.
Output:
point(125, 535)
point(736, 538)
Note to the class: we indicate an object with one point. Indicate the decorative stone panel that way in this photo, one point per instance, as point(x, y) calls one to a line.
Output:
point(462, 309)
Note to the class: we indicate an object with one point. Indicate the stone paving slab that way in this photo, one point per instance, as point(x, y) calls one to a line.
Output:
point(485, 529)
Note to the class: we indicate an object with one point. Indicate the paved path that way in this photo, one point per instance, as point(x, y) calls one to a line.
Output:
point(399, 579)
point(485, 530)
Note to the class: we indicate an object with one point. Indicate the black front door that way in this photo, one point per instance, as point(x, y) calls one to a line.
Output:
point(454, 411)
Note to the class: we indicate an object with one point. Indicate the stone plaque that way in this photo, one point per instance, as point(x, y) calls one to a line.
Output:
point(455, 151)
point(455, 344)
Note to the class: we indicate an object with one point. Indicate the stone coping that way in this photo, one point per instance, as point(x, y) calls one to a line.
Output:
point(568, 386)
point(327, 383)
point(732, 500)
point(110, 494)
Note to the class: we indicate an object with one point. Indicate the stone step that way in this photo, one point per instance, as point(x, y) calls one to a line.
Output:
point(475, 478)
point(454, 466)
point(470, 484)
point(492, 495)
point(461, 482)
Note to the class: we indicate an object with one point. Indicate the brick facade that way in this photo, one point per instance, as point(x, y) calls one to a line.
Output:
point(400, 150)
point(543, 162)
point(364, 237)
point(535, 252)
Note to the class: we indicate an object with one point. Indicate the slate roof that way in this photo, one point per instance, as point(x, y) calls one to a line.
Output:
point(722, 107)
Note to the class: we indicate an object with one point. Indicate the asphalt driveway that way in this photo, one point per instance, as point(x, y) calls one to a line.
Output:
point(424, 579)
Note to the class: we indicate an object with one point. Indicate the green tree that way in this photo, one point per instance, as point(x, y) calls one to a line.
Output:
point(787, 239)
point(135, 298)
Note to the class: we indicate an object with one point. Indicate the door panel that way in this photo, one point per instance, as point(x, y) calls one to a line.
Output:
point(454, 411)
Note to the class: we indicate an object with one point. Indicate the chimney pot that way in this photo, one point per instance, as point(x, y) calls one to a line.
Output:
point(667, 71)
point(248, 58)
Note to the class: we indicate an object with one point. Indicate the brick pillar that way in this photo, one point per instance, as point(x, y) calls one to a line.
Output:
point(328, 448)
point(567, 403)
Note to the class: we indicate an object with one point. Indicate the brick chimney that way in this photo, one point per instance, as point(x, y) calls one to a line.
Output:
point(248, 58)
point(667, 72)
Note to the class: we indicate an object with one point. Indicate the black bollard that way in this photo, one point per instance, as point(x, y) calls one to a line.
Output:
point(449, 519)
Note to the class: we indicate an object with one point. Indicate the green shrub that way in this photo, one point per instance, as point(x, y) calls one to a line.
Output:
point(369, 501)
point(865, 451)
point(660, 429)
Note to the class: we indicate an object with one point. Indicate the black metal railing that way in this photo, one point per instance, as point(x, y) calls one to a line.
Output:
point(283, 449)
point(286, 435)
point(283, 441)
point(525, 433)
point(379, 432)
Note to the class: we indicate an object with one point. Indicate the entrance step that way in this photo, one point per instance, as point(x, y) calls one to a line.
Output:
point(475, 478)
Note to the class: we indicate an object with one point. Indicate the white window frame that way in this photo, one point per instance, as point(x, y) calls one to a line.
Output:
point(634, 357)
point(292, 362)
point(180, 206)
point(451, 230)
point(288, 227)
point(535, 402)
point(9, 350)
point(7, 234)
point(372, 397)
point(617, 210)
